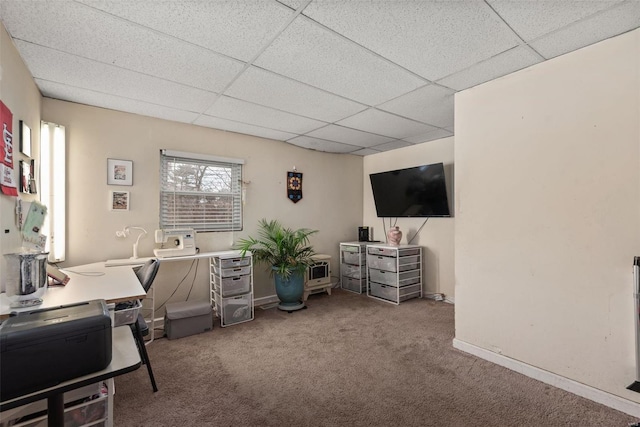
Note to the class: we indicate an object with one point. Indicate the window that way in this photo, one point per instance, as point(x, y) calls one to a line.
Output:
point(52, 188)
point(200, 192)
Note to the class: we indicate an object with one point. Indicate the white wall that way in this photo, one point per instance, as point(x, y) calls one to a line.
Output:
point(436, 236)
point(20, 94)
point(547, 214)
point(331, 184)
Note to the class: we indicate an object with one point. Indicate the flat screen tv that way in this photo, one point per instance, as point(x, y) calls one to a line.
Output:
point(419, 191)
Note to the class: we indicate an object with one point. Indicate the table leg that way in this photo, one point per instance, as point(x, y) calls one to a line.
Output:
point(55, 410)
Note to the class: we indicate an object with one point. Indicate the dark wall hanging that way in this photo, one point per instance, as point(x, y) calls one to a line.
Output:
point(294, 186)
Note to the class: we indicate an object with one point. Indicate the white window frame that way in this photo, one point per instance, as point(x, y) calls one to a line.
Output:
point(173, 215)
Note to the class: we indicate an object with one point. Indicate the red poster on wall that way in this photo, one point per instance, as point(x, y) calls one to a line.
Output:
point(7, 183)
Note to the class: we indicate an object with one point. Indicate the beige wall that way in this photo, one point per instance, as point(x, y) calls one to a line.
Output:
point(547, 214)
point(436, 236)
point(20, 94)
point(331, 183)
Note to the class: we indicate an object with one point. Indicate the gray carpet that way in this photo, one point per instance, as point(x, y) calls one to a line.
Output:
point(347, 360)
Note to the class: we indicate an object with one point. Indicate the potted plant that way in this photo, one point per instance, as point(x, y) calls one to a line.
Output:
point(288, 253)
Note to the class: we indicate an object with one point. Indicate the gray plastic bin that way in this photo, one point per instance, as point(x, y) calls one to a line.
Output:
point(187, 318)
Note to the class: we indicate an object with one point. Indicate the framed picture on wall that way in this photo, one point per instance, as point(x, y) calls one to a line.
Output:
point(25, 176)
point(119, 200)
point(25, 139)
point(119, 172)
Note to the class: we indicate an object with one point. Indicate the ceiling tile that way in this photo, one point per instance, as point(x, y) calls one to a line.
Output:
point(429, 136)
point(105, 38)
point(294, 4)
point(229, 125)
point(498, 66)
point(365, 152)
point(89, 97)
point(313, 55)
point(599, 27)
point(272, 90)
point(532, 19)
point(392, 145)
point(246, 112)
point(348, 136)
point(430, 38)
point(51, 65)
point(381, 123)
point(322, 145)
point(237, 28)
point(431, 104)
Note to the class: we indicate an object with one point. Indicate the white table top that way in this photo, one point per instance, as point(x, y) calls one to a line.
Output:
point(138, 261)
point(87, 282)
point(113, 280)
point(124, 358)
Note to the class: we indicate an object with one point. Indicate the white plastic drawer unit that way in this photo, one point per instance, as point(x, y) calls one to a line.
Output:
point(352, 257)
point(394, 294)
point(388, 263)
point(393, 252)
point(231, 262)
point(354, 285)
point(127, 316)
point(394, 279)
point(231, 272)
point(234, 309)
point(90, 413)
point(230, 286)
point(353, 271)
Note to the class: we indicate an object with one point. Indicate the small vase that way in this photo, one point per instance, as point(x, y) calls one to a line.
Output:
point(394, 235)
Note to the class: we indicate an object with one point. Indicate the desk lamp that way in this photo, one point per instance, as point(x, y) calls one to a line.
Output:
point(126, 231)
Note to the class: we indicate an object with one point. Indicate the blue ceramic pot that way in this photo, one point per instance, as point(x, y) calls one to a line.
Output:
point(289, 291)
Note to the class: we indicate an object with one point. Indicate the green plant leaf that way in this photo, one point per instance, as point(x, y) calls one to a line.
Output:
point(284, 249)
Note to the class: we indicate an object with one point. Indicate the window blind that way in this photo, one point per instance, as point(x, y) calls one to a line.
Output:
point(200, 192)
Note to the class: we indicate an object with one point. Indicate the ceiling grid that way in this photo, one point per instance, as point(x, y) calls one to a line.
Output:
point(342, 77)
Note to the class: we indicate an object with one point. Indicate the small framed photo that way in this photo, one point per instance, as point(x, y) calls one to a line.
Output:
point(119, 172)
point(119, 200)
point(25, 176)
point(25, 139)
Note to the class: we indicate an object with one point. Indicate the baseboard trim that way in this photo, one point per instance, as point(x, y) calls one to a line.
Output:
point(257, 302)
point(612, 401)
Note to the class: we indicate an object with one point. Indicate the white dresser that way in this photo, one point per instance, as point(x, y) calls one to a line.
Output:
point(394, 273)
point(231, 283)
point(353, 270)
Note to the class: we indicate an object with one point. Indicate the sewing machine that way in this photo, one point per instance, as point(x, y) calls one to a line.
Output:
point(175, 242)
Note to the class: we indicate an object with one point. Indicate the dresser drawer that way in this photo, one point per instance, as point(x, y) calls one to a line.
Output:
point(389, 278)
point(393, 264)
point(394, 294)
point(231, 262)
point(353, 285)
point(231, 272)
point(353, 258)
point(353, 271)
point(230, 286)
point(391, 251)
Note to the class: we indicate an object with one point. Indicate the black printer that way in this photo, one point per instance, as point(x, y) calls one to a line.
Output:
point(42, 348)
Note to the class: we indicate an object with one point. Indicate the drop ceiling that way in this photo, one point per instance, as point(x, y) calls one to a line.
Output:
point(357, 76)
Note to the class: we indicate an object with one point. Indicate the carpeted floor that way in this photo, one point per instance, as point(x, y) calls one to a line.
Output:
point(347, 360)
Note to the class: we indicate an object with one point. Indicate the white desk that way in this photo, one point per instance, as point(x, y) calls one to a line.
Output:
point(87, 282)
point(124, 358)
point(139, 261)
